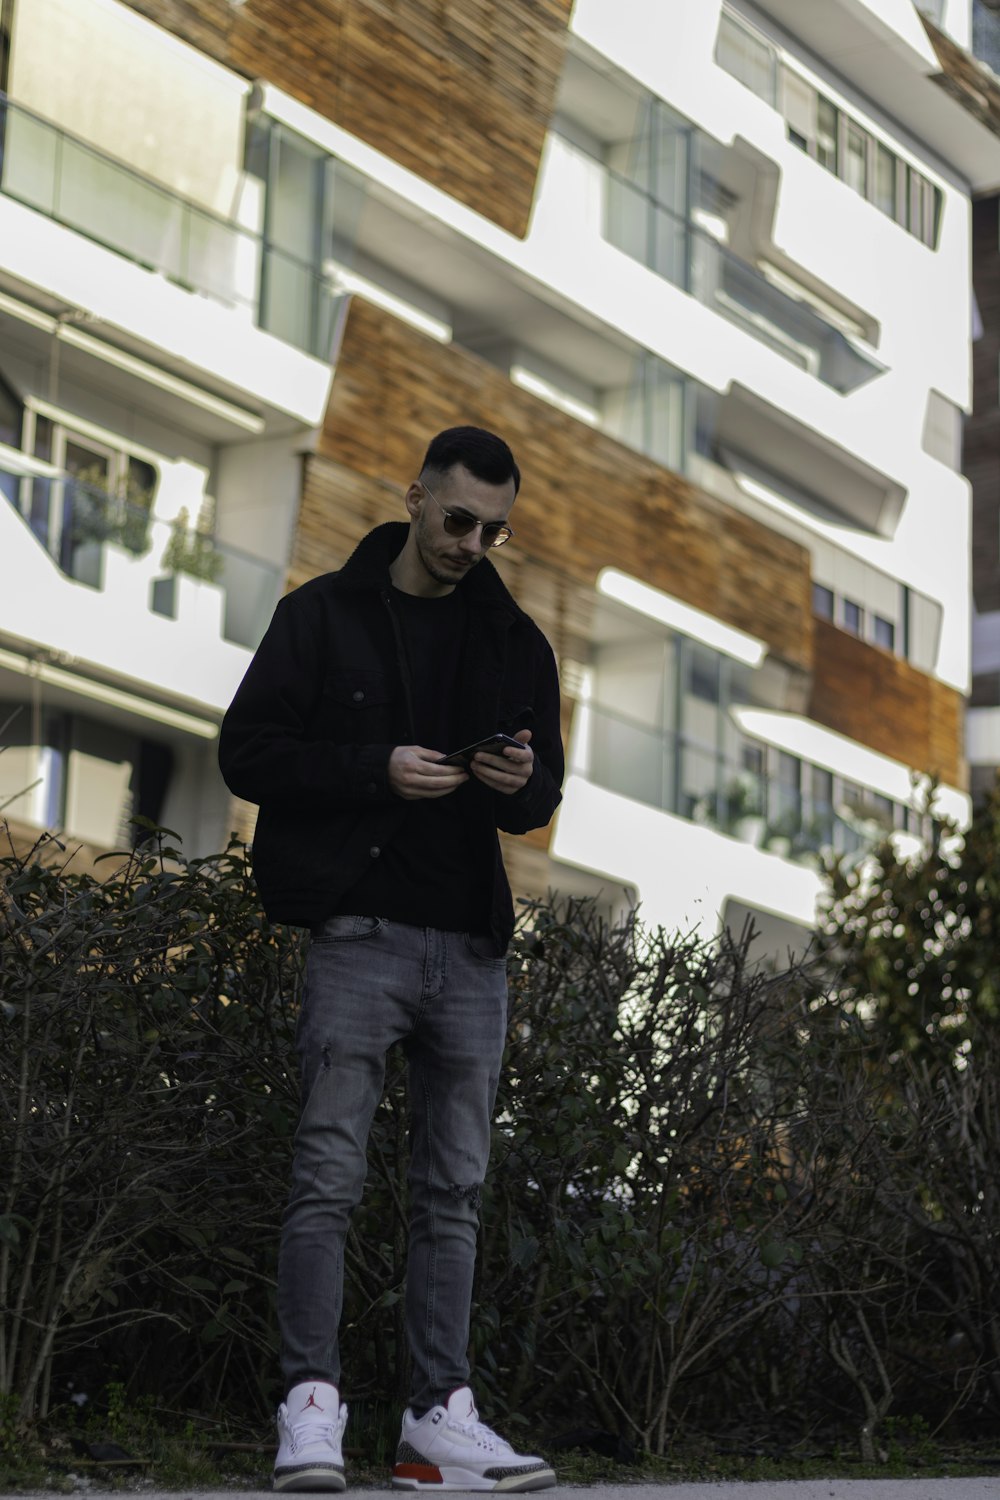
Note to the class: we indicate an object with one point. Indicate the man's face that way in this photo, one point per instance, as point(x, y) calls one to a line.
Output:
point(446, 559)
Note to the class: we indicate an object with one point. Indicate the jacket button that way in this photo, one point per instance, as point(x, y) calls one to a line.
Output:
point(358, 695)
point(374, 851)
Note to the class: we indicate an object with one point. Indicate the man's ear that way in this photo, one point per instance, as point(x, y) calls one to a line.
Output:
point(413, 500)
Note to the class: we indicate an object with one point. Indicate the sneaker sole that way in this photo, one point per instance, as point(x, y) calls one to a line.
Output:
point(310, 1477)
point(429, 1477)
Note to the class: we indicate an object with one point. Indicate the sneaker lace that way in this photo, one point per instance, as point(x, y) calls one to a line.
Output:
point(312, 1432)
point(484, 1436)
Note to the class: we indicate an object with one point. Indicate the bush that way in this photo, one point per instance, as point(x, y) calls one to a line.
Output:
point(146, 1110)
point(716, 1204)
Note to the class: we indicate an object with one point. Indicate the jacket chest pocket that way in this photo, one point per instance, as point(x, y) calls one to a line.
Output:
point(357, 705)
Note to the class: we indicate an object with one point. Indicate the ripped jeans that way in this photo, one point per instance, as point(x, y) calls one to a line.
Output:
point(370, 984)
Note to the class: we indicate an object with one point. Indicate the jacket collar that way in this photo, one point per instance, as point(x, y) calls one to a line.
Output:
point(368, 568)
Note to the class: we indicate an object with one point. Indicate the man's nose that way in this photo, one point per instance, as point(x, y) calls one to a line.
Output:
point(473, 540)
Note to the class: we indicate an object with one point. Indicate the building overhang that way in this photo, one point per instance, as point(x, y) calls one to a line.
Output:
point(853, 491)
point(809, 741)
point(911, 70)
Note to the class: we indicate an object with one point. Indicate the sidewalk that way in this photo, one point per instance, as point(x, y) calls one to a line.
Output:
point(981, 1488)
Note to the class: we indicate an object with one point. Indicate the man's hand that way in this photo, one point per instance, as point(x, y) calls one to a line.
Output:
point(415, 772)
point(507, 772)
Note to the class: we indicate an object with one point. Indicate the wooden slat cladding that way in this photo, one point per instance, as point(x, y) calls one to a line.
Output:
point(883, 702)
point(965, 78)
point(588, 502)
point(460, 93)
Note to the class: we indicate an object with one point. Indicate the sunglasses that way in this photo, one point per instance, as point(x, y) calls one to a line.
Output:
point(460, 523)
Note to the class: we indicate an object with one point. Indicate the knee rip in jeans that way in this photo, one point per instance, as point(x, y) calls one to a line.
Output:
point(326, 1054)
point(470, 1194)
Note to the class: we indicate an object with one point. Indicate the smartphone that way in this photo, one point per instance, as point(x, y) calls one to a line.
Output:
point(493, 743)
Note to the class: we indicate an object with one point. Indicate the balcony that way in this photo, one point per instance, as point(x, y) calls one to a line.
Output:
point(800, 813)
point(109, 545)
point(75, 185)
point(700, 265)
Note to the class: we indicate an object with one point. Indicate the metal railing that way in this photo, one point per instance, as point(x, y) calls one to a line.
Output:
point(75, 184)
point(681, 252)
point(666, 769)
point(76, 523)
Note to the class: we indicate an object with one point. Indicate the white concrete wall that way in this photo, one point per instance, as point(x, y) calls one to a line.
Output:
point(257, 488)
point(86, 406)
point(212, 341)
point(112, 631)
point(921, 299)
point(683, 872)
point(197, 802)
point(918, 298)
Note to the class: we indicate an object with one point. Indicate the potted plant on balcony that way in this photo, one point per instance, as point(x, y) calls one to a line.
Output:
point(190, 553)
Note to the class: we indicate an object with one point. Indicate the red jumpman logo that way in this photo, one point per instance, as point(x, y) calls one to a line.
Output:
point(313, 1402)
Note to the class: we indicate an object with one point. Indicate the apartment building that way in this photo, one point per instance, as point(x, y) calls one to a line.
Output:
point(981, 460)
point(707, 268)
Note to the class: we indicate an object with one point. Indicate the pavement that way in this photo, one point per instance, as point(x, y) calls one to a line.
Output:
point(981, 1488)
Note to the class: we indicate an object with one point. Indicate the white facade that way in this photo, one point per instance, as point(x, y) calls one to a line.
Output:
point(133, 351)
point(905, 301)
point(802, 353)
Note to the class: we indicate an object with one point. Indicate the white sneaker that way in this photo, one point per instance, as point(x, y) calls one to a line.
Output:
point(448, 1448)
point(310, 1429)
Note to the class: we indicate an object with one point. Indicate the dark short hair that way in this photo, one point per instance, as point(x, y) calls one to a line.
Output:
point(483, 453)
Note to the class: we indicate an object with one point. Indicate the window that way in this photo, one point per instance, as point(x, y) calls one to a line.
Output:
point(822, 602)
point(826, 133)
point(817, 126)
point(924, 208)
point(884, 187)
point(10, 416)
point(840, 144)
point(799, 108)
point(821, 788)
point(704, 674)
point(872, 617)
point(102, 494)
point(856, 158)
point(854, 617)
point(884, 633)
point(647, 203)
point(312, 207)
point(650, 414)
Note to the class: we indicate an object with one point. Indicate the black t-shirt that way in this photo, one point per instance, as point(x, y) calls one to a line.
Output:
point(426, 876)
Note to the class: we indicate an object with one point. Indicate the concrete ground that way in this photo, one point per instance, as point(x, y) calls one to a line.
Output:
point(982, 1488)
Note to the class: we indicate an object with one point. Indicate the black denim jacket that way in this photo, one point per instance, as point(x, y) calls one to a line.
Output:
point(323, 704)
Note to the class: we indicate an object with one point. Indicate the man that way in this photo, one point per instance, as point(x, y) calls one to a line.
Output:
point(365, 680)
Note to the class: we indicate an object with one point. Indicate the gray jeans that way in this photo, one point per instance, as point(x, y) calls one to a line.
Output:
point(370, 984)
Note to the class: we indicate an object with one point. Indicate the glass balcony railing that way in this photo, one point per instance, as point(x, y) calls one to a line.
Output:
point(693, 260)
point(79, 525)
point(76, 185)
point(670, 771)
